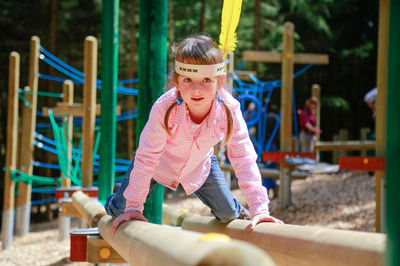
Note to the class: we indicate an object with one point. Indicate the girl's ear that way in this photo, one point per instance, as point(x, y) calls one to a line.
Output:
point(221, 81)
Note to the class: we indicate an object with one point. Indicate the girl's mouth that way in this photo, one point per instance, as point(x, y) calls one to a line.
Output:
point(197, 99)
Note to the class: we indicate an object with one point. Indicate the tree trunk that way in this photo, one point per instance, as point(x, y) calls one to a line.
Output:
point(257, 23)
point(52, 45)
point(171, 35)
point(131, 100)
point(203, 16)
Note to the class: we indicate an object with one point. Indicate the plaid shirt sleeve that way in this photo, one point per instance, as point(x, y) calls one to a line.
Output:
point(151, 145)
point(243, 157)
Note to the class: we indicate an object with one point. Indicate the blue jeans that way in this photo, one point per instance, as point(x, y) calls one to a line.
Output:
point(215, 193)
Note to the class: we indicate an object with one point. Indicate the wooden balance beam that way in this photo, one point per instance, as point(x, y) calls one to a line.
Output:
point(300, 245)
point(141, 243)
point(349, 145)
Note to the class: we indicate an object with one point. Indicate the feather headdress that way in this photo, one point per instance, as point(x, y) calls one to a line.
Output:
point(229, 21)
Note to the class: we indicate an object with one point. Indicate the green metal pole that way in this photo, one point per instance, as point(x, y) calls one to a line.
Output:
point(151, 74)
point(108, 96)
point(393, 139)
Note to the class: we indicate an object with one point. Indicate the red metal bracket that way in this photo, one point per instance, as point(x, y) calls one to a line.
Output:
point(362, 163)
point(278, 156)
point(79, 243)
point(90, 191)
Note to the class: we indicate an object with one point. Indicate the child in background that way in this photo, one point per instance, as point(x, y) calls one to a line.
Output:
point(308, 125)
point(177, 144)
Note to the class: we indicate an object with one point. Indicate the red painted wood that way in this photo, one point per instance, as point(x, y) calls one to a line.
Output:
point(90, 191)
point(78, 248)
point(278, 157)
point(362, 163)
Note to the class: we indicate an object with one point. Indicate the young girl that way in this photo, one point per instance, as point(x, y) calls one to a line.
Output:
point(177, 144)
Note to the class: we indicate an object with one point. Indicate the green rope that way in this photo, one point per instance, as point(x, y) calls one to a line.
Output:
point(44, 93)
point(26, 102)
point(96, 145)
point(66, 167)
point(31, 179)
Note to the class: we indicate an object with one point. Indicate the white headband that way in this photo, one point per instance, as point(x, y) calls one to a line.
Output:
point(199, 70)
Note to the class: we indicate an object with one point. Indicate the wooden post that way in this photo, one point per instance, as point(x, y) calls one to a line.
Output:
point(343, 135)
point(11, 150)
point(68, 90)
point(363, 137)
point(316, 92)
point(286, 107)
point(381, 113)
point(64, 222)
point(89, 109)
point(335, 153)
point(23, 201)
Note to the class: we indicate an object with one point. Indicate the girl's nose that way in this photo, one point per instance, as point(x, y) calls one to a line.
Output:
point(196, 86)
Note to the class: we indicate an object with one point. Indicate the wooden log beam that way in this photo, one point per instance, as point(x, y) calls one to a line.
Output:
point(90, 209)
point(300, 245)
point(174, 216)
point(141, 243)
point(349, 145)
point(275, 57)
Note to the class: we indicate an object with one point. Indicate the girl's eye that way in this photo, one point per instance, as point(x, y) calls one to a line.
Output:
point(187, 80)
point(207, 80)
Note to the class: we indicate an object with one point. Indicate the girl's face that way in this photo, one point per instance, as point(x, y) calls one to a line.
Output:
point(199, 92)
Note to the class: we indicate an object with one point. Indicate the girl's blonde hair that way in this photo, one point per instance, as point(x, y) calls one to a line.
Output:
point(200, 50)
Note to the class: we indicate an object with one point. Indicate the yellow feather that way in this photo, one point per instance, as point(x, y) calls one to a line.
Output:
point(229, 21)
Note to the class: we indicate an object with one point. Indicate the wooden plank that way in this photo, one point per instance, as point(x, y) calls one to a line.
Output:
point(68, 209)
point(74, 110)
point(276, 57)
point(99, 251)
point(262, 56)
point(307, 58)
point(349, 145)
point(362, 163)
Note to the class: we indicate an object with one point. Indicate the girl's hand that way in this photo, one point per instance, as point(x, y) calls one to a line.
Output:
point(127, 216)
point(262, 217)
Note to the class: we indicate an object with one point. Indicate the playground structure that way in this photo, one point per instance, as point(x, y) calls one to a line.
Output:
point(67, 110)
point(10, 163)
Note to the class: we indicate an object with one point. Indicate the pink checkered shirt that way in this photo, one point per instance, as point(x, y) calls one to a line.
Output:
point(184, 157)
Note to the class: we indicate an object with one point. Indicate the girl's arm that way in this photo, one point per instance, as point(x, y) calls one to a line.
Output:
point(151, 145)
point(243, 157)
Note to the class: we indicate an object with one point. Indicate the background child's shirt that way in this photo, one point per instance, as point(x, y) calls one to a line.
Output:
point(184, 157)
